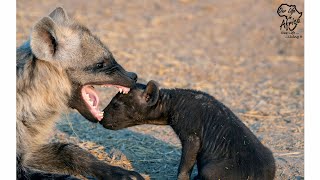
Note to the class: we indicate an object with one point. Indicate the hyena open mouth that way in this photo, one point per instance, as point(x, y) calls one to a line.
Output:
point(91, 98)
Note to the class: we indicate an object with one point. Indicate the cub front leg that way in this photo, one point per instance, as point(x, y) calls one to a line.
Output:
point(64, 158)
point(190, 148)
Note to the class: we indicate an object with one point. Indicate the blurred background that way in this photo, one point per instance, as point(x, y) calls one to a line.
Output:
point(233, 50)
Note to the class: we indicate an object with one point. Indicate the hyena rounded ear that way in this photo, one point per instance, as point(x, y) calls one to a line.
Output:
point(151, 93)
point(59, 15)
point(43, 39)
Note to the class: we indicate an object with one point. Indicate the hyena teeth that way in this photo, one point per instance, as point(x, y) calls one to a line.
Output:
point(120, 90)
point(126, 90)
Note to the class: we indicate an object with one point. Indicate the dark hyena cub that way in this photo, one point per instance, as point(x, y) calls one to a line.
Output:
point(210, 133)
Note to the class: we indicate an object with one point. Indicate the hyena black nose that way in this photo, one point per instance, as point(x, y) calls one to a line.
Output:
point(133, 76)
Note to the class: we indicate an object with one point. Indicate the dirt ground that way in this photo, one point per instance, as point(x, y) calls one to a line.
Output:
point(233, 50)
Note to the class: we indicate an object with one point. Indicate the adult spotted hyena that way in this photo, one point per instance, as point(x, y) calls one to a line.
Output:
point(56, 69)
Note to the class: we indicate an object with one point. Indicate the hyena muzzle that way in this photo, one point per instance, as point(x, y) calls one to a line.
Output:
point(55, 71)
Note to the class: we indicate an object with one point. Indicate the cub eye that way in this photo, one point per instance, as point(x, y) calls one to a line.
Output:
point(99, 65)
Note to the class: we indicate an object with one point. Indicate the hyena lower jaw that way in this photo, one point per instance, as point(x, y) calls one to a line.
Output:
point(91, 98)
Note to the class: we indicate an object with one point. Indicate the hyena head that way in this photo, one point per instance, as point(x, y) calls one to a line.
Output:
point(85, 58)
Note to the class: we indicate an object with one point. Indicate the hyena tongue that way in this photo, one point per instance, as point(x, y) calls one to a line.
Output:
point(91, 98)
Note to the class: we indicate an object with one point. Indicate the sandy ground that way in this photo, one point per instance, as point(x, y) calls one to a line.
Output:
point(231, 49)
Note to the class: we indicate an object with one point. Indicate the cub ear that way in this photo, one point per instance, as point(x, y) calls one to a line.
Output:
point(43, 39)
point(59, 15)
point(151, 93)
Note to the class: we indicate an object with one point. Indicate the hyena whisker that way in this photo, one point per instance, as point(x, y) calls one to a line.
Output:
point(71, 126)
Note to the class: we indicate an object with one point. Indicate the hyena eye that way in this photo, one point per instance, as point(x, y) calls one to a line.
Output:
point(100, 65)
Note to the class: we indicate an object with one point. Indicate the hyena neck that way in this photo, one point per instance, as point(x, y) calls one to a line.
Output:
point(43, 88)
point(158, 114)
point(173, 103)
point(163, 110)
point(23, 55)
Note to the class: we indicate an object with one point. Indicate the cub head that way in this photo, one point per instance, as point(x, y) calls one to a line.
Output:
point(134, 108)
point(86, 60)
